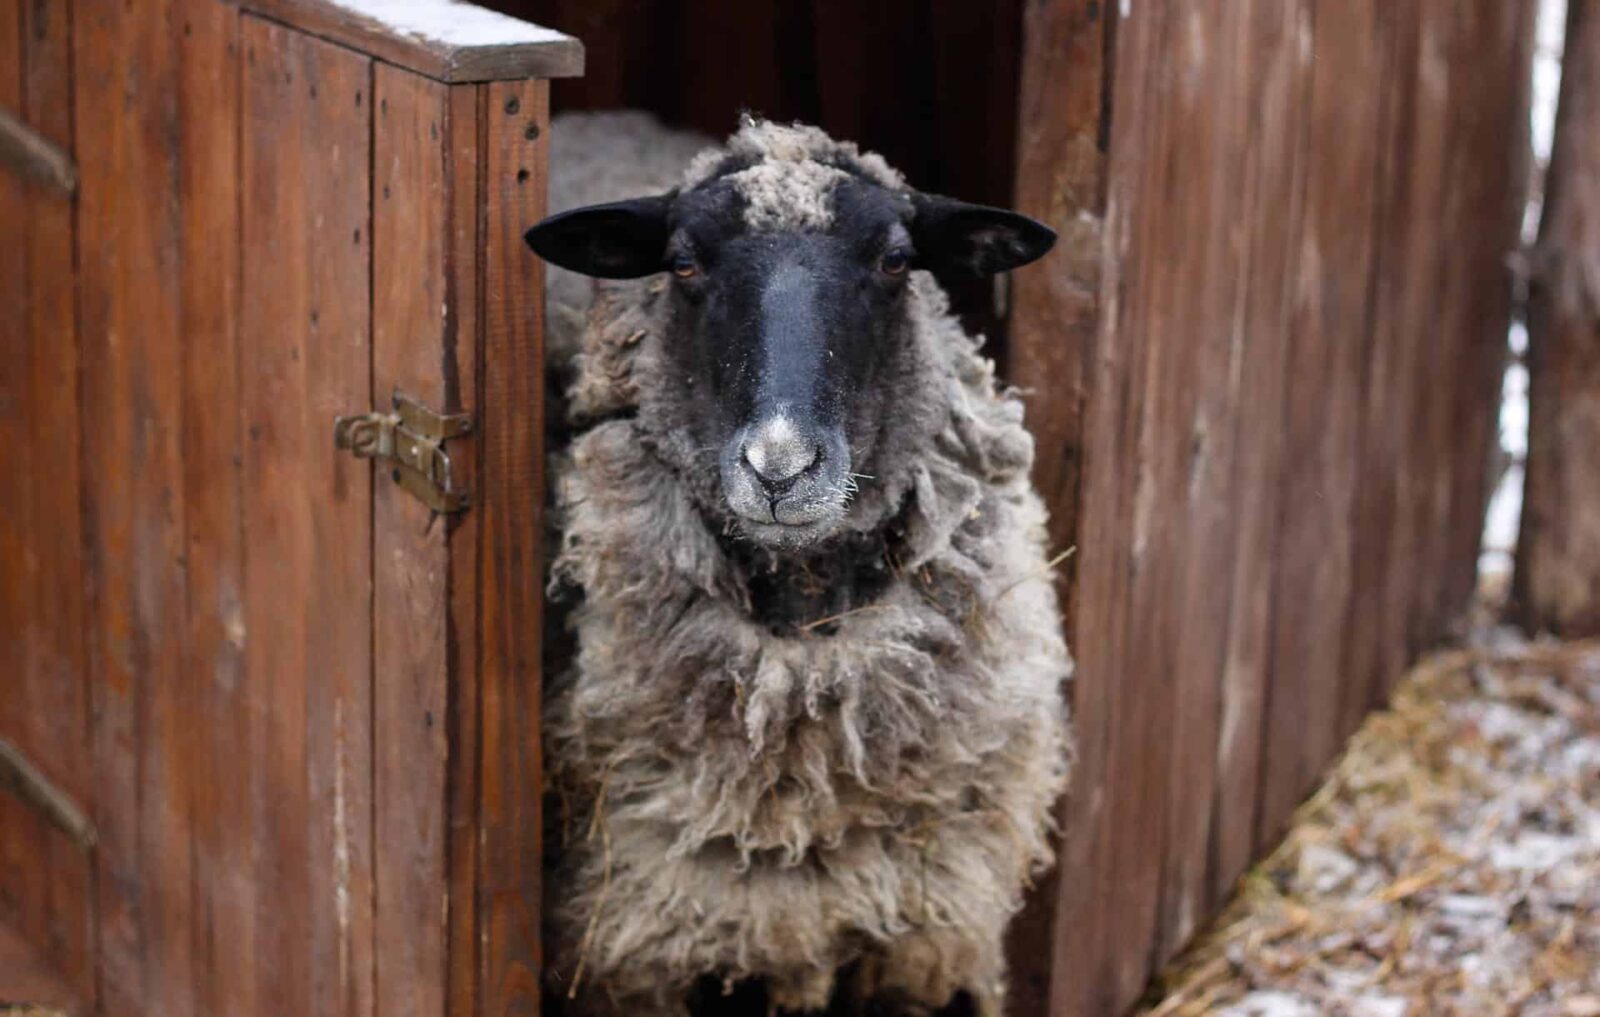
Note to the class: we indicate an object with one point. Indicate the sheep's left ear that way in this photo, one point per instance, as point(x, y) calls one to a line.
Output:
point(620, 240)
point(953, 236)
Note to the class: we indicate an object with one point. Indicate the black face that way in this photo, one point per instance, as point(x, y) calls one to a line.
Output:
point(783, 333)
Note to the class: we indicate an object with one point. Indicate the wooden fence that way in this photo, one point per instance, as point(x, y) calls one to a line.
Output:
point(1266, 378)
point(299, 714)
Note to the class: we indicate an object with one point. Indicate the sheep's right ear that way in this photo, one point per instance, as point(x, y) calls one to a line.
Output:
point(620, 240)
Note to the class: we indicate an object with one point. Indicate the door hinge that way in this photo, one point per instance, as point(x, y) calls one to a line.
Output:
point(411, 438)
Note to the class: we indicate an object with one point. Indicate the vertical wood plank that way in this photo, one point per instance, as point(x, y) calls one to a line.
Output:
point(1376, 645)
point(1558, 556)
point(1054, 308)
point(124, 61)
point(55, 679)
point(511, 577)
point(224, 826)
point(1495, 183)
point(21, 867)
point(1274, 178)
point(305, 358)
point(1215, 119)
point(462, 352)
point(1315, 550)
point(1084, 980)
point(1415, 310)
point(1054, 315)
point(411, 312)
point(53, 676)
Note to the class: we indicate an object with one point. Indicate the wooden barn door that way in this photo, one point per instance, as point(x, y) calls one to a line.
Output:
point(295, 709)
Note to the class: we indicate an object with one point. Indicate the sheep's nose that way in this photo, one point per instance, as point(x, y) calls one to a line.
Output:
point(778, 452)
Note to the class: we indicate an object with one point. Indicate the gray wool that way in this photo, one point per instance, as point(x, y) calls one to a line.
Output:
point(748, 804)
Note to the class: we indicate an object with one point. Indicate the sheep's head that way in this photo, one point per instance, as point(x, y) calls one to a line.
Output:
point(789, 254)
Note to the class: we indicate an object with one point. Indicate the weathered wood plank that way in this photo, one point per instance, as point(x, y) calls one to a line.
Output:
point(461, 360)
point(1085, 978)
point(1215, 116)
point(1054, 308)
point(511, 483)
point(1415, 311)
point(448, 40)
point(1274, 178)
point(129, 311)
point(1373, 649)
point(1315, 547)
point(17, 875)
point(1054, 317)
point(224, 823)
point(53, 684)
point(304, 336)
point(411, 311)
point(1499, 130)
point(1558, 559)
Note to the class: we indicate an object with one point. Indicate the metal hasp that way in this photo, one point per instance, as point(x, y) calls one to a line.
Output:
point(411, 438)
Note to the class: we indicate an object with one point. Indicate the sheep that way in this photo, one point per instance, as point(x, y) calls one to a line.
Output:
point(814, 729)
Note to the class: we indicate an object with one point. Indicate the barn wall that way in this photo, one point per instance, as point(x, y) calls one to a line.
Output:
point(1278, 378)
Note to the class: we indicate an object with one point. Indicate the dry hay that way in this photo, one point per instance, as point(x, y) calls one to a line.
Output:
point(1451, 864)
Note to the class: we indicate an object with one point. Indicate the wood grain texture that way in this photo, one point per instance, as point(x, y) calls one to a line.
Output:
point(511, 482)
point(411, 307)
point(45, 831)
point(1321, 425)
point(26, 974)
point(1558, 559)
point(1273, 177)
point(1215, 114)
point(222, 919)
point(1494, 198)
point(1281, 286)
point(304, 335)
point(130, 314)
point(436, 53)
point(1054, 316)
point(461, 359)
point(1084, 980)
point(17, 876)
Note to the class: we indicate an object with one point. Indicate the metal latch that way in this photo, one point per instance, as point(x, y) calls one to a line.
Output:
point(412, 439)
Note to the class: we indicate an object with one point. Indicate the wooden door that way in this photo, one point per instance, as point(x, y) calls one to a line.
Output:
point(299, 710)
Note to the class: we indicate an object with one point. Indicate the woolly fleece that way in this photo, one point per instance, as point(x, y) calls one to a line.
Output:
point(875, 790)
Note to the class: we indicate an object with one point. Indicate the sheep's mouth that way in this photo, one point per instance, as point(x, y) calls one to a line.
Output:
point(787, 536)
point(801, 507)
point(798, 519)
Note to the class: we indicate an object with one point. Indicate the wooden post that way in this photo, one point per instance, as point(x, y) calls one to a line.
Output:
point(1557, 585)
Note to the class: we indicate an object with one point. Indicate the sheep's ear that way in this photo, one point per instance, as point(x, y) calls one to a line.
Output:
point(620, 240)
point(952, 236)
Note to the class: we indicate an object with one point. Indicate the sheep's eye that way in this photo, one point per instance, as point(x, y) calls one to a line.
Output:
point(684, 267)
point(895, 262)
